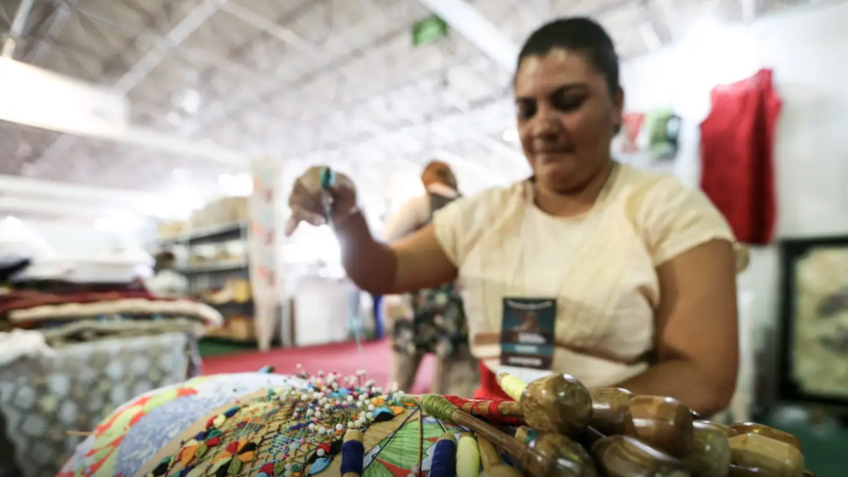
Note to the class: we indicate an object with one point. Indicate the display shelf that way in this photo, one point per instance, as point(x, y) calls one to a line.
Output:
point(237, 328)
point(210, 234)
point(233, 306)
point(213, 267)
point(211, 278)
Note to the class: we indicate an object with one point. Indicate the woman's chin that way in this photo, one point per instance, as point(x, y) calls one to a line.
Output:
point(557, 170)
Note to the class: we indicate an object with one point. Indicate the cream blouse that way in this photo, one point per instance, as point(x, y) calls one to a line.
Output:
point(600, 266)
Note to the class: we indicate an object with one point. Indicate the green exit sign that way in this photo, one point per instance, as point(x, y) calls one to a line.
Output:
point(428, 30)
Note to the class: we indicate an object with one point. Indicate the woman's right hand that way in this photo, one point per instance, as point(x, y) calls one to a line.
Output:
point(307, 199)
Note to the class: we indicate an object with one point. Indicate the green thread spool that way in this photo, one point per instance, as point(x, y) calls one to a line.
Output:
point(437, 406)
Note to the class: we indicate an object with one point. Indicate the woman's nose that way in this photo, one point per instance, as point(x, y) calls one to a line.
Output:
point(546, 124)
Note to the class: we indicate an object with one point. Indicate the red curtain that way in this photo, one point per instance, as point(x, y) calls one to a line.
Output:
point(737, 156)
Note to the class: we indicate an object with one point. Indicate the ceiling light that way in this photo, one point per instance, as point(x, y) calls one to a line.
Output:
point(511, 136)
point(236, 185)
point(174, 119)
point(119, 224)
point(191, 101)
point(179, 173)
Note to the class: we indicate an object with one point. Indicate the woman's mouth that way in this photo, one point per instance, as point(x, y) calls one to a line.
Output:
point(560, 149)
point(553, 155)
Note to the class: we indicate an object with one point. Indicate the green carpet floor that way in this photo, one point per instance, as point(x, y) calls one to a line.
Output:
point(218, 347)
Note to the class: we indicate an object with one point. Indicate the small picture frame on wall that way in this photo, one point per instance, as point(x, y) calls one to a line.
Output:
point(813, 364)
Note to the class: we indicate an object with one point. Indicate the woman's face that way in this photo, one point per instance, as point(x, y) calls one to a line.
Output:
point(566, 118)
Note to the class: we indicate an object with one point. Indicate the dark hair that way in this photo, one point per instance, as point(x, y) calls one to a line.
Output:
point(441, 171)
point(577, 34)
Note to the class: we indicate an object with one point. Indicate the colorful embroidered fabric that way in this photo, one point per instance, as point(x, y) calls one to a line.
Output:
point(289, 431)
point(215, 427)
point(136, 431)
point(398, 454)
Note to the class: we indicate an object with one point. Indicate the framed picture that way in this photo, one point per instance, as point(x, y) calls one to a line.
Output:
point(813, 365)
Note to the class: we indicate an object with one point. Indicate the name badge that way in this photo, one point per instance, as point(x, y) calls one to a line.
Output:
point(527, 334)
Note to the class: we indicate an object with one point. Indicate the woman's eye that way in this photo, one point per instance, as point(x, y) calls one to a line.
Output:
point(526, 111)
point(568, 103)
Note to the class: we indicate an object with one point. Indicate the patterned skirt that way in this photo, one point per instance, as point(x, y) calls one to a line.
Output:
point(437, 326)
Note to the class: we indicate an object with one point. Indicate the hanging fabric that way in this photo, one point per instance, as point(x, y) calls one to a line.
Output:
point(737, 148)
point(632, 127)
point(663, 130)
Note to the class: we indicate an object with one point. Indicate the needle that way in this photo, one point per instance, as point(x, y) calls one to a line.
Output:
point(328, 178)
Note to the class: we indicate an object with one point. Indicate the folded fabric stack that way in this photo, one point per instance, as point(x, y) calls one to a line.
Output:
point(86, 316)
point(78, 336)
point(83, 299)
point(67, 357)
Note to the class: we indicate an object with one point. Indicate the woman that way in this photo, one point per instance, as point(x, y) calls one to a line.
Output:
point(639, 268)
point(437, 324)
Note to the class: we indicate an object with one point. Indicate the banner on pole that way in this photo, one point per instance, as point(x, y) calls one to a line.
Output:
point(266, 265)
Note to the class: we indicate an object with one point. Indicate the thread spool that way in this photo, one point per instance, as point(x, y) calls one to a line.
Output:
point(444, 457)
point(467, 456)
point(353, 454)
point(511, 386)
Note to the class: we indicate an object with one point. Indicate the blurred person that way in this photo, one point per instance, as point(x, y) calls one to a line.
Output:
point(166, 281)
point(379, 319)
point(437, 320)
point(640, 269)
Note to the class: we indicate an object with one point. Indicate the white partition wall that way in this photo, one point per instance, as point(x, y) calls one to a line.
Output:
point(322, 311)
point(806, 50)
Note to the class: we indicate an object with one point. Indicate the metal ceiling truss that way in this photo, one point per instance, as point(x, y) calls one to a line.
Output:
point(311, 81)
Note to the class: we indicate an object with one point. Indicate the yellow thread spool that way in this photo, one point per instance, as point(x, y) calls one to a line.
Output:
point(467, 456)
point(512, 386)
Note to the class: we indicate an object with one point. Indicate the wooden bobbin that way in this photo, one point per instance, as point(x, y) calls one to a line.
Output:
point(554, 404)
point(624, 456)
point(661, 422)
point(770, 432)
point(771, 457)
point(711, 454)
point(491, 461)
point(605, 401)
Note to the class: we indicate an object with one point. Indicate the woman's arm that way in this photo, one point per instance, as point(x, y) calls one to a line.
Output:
point(415, 262)
point(697, 333)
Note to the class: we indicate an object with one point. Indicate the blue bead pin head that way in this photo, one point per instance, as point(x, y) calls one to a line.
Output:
point(328, 178)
